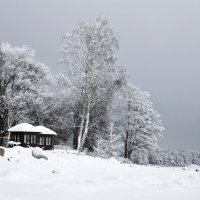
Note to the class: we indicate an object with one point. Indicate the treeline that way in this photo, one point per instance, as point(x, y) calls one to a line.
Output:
point(166, 157)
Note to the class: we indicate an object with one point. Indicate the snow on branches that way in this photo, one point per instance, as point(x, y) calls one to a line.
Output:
point(22, 81)
point(137, 121)
point(91, 72)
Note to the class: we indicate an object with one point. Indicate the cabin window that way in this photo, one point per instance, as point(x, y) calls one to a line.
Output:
point(26, 138)
point(48, 140)
point(41, 141)
point(33, 139)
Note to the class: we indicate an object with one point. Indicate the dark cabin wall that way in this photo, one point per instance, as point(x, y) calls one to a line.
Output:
point(19, 137)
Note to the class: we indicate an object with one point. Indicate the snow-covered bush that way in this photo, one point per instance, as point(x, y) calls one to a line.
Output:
point(39, 153)
point(140, 156)
point(196, 158)
point(11, 144)
point(109, 144)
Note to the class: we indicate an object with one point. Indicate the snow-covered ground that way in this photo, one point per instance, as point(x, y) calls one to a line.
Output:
point(70, 177)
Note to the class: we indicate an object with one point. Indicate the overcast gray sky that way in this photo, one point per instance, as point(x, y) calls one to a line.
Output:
point(159, 46)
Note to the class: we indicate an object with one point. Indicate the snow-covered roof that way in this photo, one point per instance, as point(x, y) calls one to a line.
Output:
point(45, 130)
point(24, 127)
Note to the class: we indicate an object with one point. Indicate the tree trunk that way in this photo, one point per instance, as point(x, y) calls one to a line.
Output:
point(76, 132)
point(10, 120)
point(126, 145)
point(125, 150)
point(80, 134)
point(1, 125)
point(129, 154)
point(85, 130)
point(75, 139)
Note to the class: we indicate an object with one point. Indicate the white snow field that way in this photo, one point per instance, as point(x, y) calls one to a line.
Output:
point(66, 176)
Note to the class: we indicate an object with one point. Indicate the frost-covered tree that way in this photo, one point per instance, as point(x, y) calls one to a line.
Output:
point(91, 73)
point(41, 109)
point(138, 123)
point(22, 81)
point(109, 143)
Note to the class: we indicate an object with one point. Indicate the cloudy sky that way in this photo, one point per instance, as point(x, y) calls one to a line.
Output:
point(159, 46)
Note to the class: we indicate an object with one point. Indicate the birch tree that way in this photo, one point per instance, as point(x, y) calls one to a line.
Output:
point(91, 71)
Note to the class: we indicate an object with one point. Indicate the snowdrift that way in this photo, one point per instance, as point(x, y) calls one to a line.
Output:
point(68, 176)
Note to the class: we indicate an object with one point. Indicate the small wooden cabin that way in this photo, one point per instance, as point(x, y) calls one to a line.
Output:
point(29, 135)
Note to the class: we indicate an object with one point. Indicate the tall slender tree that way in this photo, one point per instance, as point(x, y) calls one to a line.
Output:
point(91, 71)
